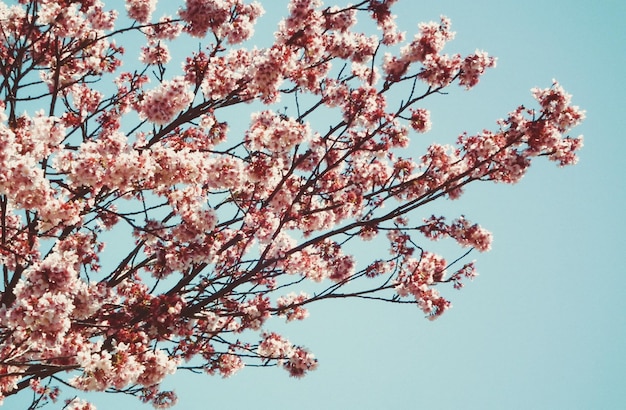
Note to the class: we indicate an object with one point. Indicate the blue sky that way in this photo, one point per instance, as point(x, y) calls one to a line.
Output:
point(544, 325)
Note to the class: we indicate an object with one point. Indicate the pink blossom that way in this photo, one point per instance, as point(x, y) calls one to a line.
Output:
point(79, 404)
point(340, 20)
point(157, 365)
point(473, 67)
point(229, 364)
point(255, 312)
point(430, 41)
point(277, 134)
point(100, 19)
point(140, 10)
point(162, 104)
point(157, 53)
point(381, 12)
point(230, 18)
point(85, 99)
point(366, 73)
point(420, 120)
point(164, 29)
point(556, 104)
point(275, 346)
point(300, 362)
point(461, 230)
point(291, 306)
point(440, 70)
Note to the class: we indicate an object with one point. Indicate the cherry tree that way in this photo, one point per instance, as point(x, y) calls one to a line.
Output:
point(213, 228)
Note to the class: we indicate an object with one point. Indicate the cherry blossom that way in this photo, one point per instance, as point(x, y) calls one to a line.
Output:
point(291, 306)
point(420, 120)
point(79, 404)
point(157, 215)
point(140, 10)
point(160, 105)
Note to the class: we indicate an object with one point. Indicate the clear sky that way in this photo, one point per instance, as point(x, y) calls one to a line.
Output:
point(544, 325)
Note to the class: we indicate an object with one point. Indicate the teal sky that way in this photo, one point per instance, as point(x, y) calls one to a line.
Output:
point(544, 325)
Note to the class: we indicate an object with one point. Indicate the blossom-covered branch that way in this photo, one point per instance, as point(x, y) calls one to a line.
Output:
point(156, 217)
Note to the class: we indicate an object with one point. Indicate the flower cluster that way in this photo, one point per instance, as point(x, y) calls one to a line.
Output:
point(140, 10)
point(420, 120)
point(232, 19)
point(275, 133)
point(293, 358)
point(415, 279)
point(438, 70)
point(460, 230)
point(163, 103)
point(79, 404)
point(291, 306)
point(473, 67)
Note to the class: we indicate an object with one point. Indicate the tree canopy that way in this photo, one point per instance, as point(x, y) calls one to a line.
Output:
point(102, 141)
